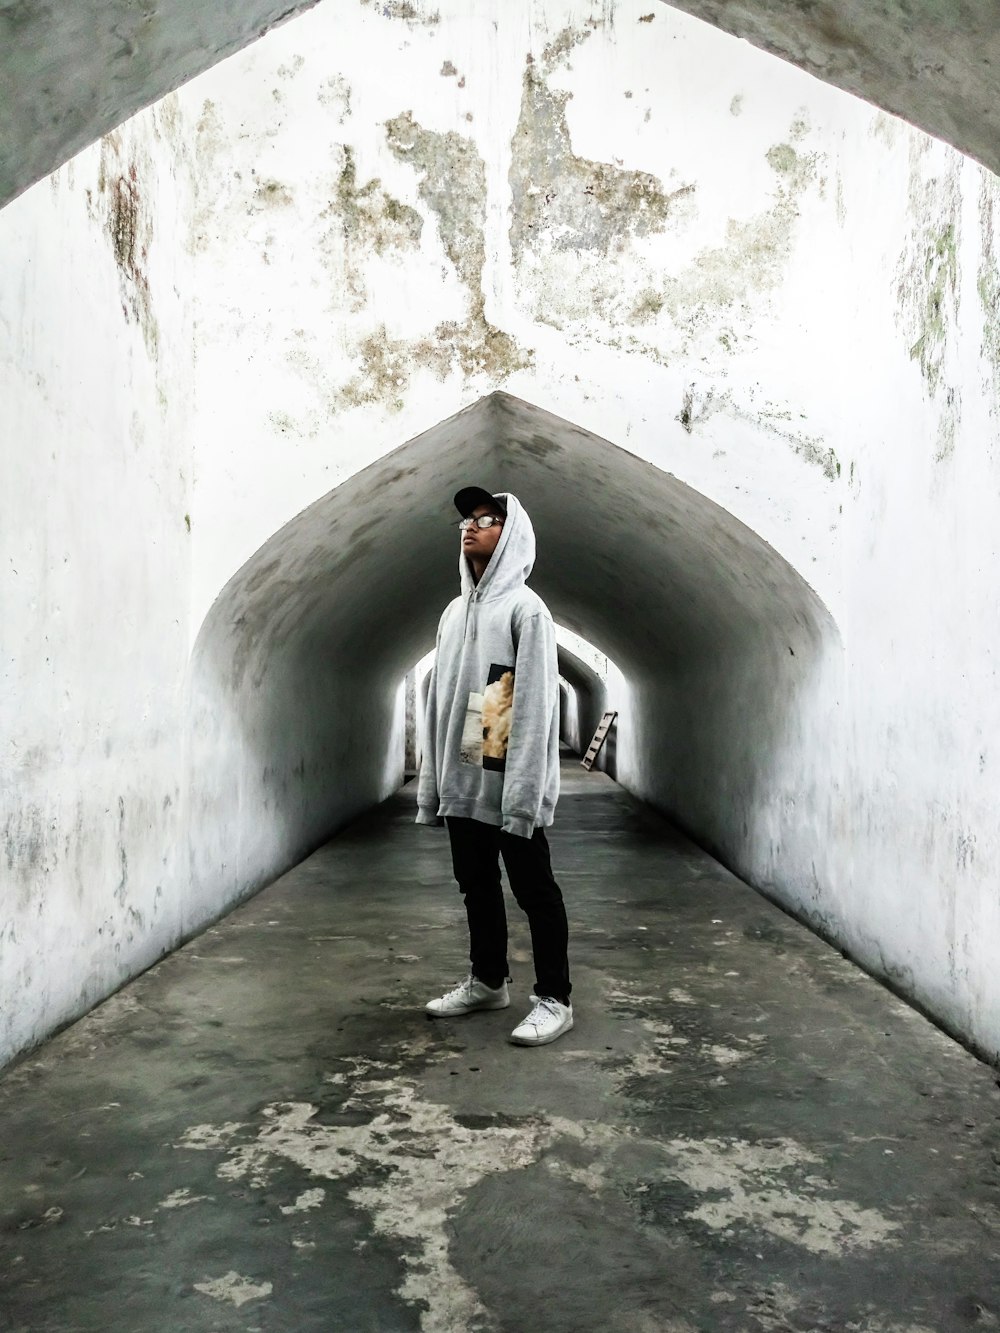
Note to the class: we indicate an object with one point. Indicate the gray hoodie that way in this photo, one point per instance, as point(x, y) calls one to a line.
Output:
point(491, 734)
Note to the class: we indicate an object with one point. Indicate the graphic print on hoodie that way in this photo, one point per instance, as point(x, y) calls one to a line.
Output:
point(491, 724)
point(488, 720)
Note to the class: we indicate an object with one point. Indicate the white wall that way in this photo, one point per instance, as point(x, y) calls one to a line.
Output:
point(779, 305)
point(96, 377)
point(753, 282)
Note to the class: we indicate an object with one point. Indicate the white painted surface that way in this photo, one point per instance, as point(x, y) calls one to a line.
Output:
point(96, 377)
point(806, 338)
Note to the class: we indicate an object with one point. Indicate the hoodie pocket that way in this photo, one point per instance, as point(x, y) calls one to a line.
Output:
point(488, 716)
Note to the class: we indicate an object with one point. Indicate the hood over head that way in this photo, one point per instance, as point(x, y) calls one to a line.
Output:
point(511, 562)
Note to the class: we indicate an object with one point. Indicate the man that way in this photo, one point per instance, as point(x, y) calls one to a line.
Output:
point(491, 762)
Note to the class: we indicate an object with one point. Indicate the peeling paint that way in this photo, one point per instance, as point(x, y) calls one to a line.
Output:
point(565, 202)
point(433, 1160)
point(639, 307)
point(183, 1198)
point(753, 258)
point(451, 183)
point(409, 1163)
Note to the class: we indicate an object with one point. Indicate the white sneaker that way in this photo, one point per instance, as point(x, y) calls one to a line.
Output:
point(468, 996)
point(549, 1019)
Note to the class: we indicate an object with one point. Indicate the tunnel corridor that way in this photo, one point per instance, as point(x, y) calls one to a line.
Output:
point(742, 1132)
point(732, 337)
point(724, 647)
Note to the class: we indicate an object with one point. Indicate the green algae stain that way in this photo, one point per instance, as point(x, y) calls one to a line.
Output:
point(783, 157)
point(988, 280)
point(940, 302)
point(927, 288)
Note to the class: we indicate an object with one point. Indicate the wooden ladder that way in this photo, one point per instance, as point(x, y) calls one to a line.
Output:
point(600, 736)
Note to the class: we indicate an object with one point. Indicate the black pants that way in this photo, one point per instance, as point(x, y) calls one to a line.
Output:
point(475, 852)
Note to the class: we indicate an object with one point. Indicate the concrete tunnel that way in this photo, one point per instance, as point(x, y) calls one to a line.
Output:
point(677, 294)
point(666, 316)
point(296, 672)
point(733, 337)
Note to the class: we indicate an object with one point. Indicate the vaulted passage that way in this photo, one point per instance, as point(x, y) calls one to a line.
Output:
point(296, 672)
point(733, 339)
point(742, 1132)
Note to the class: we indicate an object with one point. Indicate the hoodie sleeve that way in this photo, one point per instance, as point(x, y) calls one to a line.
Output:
point(536, 685)
point(427, 789)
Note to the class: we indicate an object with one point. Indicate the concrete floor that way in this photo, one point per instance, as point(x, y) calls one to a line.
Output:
point(743, 1132)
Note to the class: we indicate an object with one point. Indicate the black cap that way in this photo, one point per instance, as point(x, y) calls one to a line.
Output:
point(469, 497)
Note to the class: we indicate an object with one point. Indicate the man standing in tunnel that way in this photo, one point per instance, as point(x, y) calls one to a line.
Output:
point(491, 763)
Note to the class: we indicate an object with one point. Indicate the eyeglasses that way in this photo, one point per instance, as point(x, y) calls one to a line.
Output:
point(483, 521)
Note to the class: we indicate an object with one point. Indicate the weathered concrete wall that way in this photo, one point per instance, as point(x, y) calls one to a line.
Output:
point(779, 304)
point(72, 72)
point(776, 294)
point(931, 63)
point(595, 684)
point(96, 377)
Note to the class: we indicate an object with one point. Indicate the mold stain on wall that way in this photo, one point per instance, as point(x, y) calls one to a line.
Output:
point(564, 202)
point(988, 282)
point(723, 283)
point(364, 220)
point(129, 228)
point(927, 283)
point(699, 406)
point(578, 226)
point(451, 184)
point(405, 10)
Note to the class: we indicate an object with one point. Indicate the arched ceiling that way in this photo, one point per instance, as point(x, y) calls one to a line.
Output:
point(641, 565)
point(583, 678)
point(933, 62)
point(72, 72)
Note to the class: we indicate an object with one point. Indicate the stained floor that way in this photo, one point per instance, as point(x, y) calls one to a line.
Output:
point(742, 1133)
